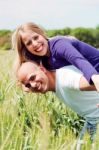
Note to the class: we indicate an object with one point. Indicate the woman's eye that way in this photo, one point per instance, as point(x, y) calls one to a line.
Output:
point(28, 43)
point(35, 37)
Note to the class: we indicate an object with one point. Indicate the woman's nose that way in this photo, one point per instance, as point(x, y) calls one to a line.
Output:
point(34, 43)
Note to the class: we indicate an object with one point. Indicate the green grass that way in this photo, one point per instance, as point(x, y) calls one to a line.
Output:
point(34, 121)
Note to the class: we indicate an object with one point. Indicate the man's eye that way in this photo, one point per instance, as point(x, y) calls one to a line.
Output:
point(32, 78)
point(27, 85)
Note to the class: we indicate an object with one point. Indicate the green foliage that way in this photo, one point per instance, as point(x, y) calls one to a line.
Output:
point(6, 46)
point(88, 35)
point(4, 32)
point(65, 31)
point(85, 35)
point(96, 35)
point(5, 39)
point(97, 27)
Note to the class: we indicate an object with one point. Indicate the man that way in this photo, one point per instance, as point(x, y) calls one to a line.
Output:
point(69, 85)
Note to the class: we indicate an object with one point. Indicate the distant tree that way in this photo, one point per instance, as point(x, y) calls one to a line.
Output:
point(4, 32)
point(96, 35)
point(65, 31)
point(84, 34)
point(97, 27)
point(5, 39)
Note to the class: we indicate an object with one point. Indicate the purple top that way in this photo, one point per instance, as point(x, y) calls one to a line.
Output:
point(70, 51)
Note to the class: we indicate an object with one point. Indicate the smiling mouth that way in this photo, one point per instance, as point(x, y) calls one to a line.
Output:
point(39, 49)
point(38, 87)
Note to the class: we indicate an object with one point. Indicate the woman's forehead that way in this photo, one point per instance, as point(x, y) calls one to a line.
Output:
point(28, 31)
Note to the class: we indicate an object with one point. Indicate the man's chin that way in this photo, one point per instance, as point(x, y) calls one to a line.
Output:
point(42, 90)
point(39, 91)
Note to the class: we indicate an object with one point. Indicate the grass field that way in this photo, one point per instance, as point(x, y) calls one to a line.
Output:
point(34, 121)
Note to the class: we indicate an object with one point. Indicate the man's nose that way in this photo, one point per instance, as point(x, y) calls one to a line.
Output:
point(33, 84)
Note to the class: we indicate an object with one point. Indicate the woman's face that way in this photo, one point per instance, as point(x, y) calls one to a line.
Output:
point(35, 43)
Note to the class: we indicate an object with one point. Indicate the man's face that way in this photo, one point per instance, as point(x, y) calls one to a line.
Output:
point(33, 77)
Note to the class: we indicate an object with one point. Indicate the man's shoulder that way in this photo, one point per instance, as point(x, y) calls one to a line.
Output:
point(68, 76)
point(69, 69)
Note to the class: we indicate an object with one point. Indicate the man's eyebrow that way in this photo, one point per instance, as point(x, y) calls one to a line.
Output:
point(31, 76)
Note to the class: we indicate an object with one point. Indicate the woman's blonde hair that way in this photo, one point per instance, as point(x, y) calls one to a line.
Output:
point(17, 40)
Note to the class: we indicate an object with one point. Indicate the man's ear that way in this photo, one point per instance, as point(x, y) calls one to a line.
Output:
point(42, 68)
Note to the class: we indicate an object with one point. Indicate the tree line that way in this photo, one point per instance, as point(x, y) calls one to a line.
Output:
point(88, 35)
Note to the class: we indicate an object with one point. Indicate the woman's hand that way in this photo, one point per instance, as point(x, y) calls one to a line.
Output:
point(95, 79)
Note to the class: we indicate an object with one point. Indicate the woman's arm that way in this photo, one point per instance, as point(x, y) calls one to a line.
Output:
point(66, 50)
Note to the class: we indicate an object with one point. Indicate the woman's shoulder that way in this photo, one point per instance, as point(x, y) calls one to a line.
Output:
point(56, 39)
point(59, 37)
point(59, 42)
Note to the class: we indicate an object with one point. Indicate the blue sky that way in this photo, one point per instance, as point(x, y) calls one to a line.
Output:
point(51, 14)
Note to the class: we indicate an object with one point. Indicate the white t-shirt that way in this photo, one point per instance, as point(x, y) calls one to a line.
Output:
point(67, 89)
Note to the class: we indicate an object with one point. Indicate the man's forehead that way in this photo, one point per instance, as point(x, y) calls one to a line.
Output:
point(27, 68)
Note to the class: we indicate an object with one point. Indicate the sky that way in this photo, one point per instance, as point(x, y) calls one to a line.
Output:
point(50, 14)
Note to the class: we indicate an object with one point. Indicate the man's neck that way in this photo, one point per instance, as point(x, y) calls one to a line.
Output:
point(52, 80)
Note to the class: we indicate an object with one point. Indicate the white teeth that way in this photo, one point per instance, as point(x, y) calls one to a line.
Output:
point(39, 86)
point(39, 49)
